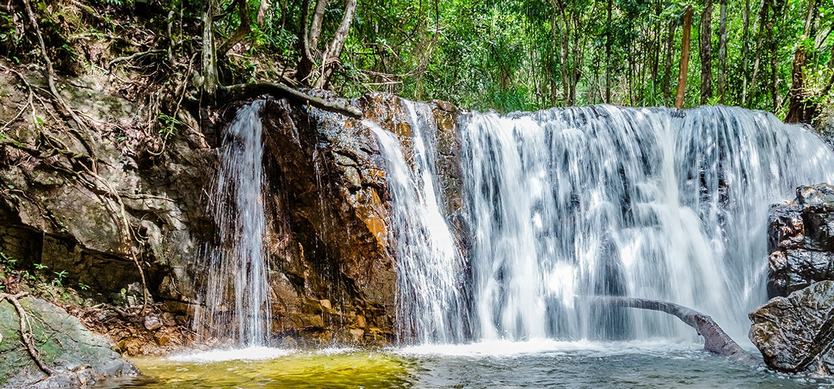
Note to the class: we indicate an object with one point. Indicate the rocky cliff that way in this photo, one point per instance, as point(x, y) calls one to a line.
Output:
point(100, 202)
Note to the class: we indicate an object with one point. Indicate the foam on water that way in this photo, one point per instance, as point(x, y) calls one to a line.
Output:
point(508, 348)
point(255, 353)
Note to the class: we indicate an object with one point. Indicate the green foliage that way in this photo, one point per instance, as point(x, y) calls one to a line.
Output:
point(59, 278)
point(8, 261)
point(529, 54)
point(167, 125)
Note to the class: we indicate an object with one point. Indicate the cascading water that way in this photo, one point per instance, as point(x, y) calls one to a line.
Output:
point(237, 291)
point(430, 300)
point(569, 203)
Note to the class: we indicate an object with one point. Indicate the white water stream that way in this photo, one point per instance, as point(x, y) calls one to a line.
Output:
point(237, 291)
point(603, 200)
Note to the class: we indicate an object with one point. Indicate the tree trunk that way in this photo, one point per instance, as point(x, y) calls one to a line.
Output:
point(608, 44)
point(773, 46)
point(315, 26)
point(801, 111)
point(705, 37)
point(656, 48)
point(331, 55)
point(667, 72)
point(758, 49)
point(209, 56)
point(745, 48)
point(722, 52)
point(305, 65)
point(684, 67)
point(242, 30)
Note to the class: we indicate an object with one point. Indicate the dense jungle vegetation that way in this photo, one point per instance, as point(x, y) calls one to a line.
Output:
point(774, 55)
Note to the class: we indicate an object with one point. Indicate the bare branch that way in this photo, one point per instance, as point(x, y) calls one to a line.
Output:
point(716, 340)
point(243, 91)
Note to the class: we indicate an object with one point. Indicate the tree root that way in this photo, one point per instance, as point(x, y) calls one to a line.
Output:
point(134, 56)
point(25, 333)
point(716, 340)
point(50, 76)
point(244, 91)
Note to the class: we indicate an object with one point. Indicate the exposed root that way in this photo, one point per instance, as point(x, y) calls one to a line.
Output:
point(133, 56)
point(25, 333)
point(25, 106)
point(50, 76)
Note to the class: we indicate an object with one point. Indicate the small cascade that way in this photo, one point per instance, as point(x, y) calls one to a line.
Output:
point(237, 290)
point(431, 306)
point(569, 203)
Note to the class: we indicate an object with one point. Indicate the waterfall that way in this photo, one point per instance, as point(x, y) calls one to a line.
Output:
point(569, 203)
point(429, 263)
point(237, 290)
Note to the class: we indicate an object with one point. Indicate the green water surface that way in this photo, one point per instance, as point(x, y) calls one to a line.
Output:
point(611, 366)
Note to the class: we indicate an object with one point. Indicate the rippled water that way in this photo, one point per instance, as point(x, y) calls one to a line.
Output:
point(488, 364)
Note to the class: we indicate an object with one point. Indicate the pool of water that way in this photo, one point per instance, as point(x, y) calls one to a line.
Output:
point(497, 364)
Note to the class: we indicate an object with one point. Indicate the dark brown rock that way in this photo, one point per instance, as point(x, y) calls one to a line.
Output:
point(801, 240)
point(796, 333)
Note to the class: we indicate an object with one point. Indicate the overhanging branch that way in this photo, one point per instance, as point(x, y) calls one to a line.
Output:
point(244, 91)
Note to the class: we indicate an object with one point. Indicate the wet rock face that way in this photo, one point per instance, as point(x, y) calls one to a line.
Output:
point(76, 356)
point(330, 240)
point(332, 265)
point(796, 333)
point(60, 210)
point(801, 240)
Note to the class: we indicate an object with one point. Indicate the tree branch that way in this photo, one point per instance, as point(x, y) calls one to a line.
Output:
point(306, 63)
point(716, 340)
point(242, 30)
point(243, 91)
point(334, 50)
point(315, 27)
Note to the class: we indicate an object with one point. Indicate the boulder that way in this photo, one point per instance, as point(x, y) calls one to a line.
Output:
point(796, 333)
point(76, 356)
point(801, 240)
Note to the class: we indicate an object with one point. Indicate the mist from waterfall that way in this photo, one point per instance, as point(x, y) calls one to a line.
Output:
point(565, 204)
point(236, 301)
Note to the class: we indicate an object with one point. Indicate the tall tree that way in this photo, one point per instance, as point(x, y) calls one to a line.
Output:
point(608, 43)
point(800, 111)
point(705, 37)
point(758, 48)
point(316, 65)
point(684, 65)
point(667, 73)
point(722, 51)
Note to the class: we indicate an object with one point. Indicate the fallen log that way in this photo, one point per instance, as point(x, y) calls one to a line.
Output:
point(244, 91)
point(716, 340)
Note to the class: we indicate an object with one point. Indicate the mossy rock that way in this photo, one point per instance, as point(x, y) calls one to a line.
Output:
point(77, 356)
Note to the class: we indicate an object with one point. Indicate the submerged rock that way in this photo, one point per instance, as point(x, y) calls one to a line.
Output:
point(76, 356)
point(796, 333)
